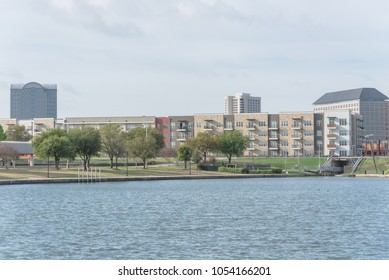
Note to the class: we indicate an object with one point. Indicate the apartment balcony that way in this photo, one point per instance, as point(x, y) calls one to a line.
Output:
point(208, 128)
point(181, 139)
point(273, 148)
point(331, 125)
point(274, 137)
point(182, 129)
point(228, 128)
point(273, 127)
point(297, 147)
point(296, 127)
point(250, 149)
point(296, 137)
point(252, 138)
point(331, 136)
point(331, 146)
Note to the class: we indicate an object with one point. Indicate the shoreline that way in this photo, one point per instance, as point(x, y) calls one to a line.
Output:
point(4, 182)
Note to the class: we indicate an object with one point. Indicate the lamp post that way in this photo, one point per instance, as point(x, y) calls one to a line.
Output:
point(371, 150)
point(127, 161)
point(48, 162)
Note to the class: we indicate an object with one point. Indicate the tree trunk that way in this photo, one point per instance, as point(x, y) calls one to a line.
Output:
point(229, 158)
point(116, 163)
point(56, 161)
point(185, 164)
point(111, 159)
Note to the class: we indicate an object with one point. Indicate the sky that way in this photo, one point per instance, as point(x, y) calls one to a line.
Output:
point(182, 57)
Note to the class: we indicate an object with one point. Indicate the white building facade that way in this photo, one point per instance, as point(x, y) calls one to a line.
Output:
point(242, 103)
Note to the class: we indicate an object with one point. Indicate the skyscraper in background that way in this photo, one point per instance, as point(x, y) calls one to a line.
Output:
point(242, 103)
point(33, 100)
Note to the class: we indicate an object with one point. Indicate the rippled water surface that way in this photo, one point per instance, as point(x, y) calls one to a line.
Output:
point(319, 218)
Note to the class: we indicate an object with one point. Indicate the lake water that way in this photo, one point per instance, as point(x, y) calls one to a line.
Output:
point(304, 218)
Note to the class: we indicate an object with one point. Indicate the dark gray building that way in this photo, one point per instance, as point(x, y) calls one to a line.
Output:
point(370, 103)
point(33, 100)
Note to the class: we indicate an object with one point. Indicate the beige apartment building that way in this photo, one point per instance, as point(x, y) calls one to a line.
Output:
point(284, 134)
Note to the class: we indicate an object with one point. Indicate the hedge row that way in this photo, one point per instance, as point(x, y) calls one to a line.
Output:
point(247, 171)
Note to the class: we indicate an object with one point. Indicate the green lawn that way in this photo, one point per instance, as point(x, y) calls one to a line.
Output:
point(367, 165)
point(22, 172)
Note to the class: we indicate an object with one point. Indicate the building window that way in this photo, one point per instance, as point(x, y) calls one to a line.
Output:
point(342, 121)
point(172, 124)
point(284, 123)
point(308, 143)
point(172, 135)
point(284, 143)
point(343, 143)
point(261, 123)
point(239, 124)
point(262, 133)
point(342, 132)
point(190, 124)
point(343, 153)
point(319, 133)
point(284, 133)
point(307, 133)
point(307, 122)
point(173, 144)
point(229, 125)
point(198, 124)
point(262, 143)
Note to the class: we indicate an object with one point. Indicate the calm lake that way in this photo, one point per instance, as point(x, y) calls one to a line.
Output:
point(303, 218)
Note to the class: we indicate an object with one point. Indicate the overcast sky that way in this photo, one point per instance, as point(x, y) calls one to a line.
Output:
point(180, 57)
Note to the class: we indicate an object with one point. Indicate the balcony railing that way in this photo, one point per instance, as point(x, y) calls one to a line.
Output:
point(273, 127)
point(331, 125)
point(331, 136)
point(331, 146)
point(297, 127)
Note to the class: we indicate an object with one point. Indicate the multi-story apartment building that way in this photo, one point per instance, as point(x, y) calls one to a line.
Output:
point(343, 133)
point(33, 100)
point(284, 134)
point(370, 103)
point(34, 126)
point(242, 103)
point(181, 128)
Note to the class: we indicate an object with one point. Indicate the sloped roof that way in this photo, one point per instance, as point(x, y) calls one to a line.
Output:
point(363, 94)
point(23, 148)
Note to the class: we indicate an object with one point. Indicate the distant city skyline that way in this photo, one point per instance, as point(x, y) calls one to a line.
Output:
point(116, 58)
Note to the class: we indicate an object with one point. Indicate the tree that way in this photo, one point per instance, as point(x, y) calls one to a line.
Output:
point(232, 143)
point(203, 143)
point(184, 153)
point(7, 154)
point(86, 142)
point(18, 133)
point(145, 143)
point(168, 153)
point(113, 142)
point(54, 143)
point(3, 135)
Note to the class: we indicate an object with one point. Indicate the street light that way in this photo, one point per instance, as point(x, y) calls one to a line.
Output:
point(127, 161)
point(48, 162)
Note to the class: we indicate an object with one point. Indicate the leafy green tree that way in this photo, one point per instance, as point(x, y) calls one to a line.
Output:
point(145, 143)
point(3, 135)
point(113, 142)
point(54, 143)
point(86, 142)
point(184, 153)
point(203, 143)
point(18, 133)
point(232, 143)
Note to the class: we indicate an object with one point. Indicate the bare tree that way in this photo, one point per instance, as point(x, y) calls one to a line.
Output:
point(168, 153)
point(7, 154)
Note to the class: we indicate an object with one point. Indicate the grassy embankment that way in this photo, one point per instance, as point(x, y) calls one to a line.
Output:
point(367, 165)
point(40, 169)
